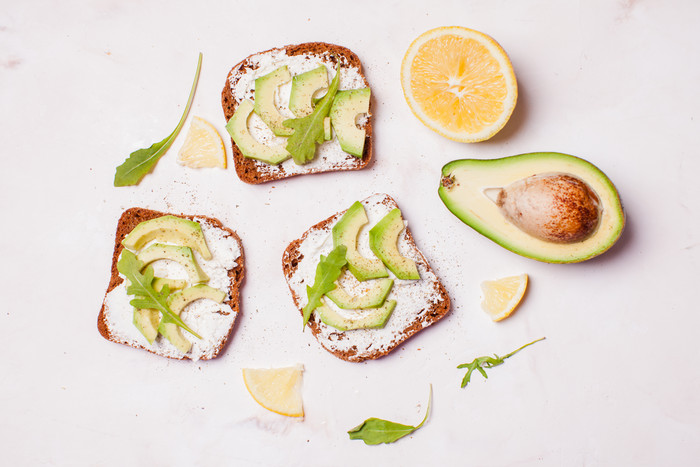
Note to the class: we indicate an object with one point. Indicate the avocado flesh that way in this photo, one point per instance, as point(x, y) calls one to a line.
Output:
point(466, 186)
point(147, 320)
point(304, 86)
point(383, 240)
point(177, 302)
point(251, 148)
point(347, 105)
point(345, 232)
point(372, 298)
point(180, 254)
point(168, 229)
point(265, 90)
point(370, 318)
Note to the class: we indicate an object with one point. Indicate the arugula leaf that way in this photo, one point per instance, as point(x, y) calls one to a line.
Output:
point(480, 363)
point(308, 131)
point(327, 272)
point(376, 431)
point(141, 161)
point(141, 285)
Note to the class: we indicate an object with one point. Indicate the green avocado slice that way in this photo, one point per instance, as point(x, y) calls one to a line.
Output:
point(304, 86)
point(383, 240)
point(373, 298)
point(265, 89)
point(251, 148)
point(170, 229)
point(369, 318)
point(346, 106)
point(345, 233)
point(180, 254)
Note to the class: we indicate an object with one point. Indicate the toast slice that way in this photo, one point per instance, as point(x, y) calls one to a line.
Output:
point(420, 303)
point(212, 321)
point(299, 58)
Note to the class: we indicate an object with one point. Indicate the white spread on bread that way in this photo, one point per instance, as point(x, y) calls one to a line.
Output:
point(207, 318)
point(327, 153)
point(413, 297)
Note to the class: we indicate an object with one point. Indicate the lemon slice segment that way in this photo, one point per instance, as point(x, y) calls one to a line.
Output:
point(502, 296)
point(203, 146)
point(459, 83)
point(276, 389)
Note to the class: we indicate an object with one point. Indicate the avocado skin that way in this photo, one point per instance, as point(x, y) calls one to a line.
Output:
point(466, 200)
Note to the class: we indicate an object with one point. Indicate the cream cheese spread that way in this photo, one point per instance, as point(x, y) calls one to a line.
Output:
point(328, 153)
point(211, 320)
point(414, 298)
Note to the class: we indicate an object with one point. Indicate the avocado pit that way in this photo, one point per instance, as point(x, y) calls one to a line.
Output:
point(554, 207)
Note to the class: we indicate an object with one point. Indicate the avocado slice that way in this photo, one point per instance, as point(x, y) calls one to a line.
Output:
point(371, 318)
point(484, 195)
point(344, 111)
point(383, 240)
point(327, 133)
point(251, 148)
point(373, 298)
point(170, 229)
point(304, 86)
point(180, 254)
point(177, 302)
point(265, 89)
point(345, 233)
point(147, 320)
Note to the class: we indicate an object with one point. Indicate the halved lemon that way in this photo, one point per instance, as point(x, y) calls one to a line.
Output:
point(459, 83)
point(502, 296)
point(203, 146)
point(276, 389)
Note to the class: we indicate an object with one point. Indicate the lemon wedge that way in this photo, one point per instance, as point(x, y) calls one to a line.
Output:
point(203, 146)
point(276, 389)
point(459, 83)
point(502, 296)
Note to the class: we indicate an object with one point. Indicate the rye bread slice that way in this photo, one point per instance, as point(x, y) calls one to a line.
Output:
point(254, 171)
point(419, 303)
point(130, 219)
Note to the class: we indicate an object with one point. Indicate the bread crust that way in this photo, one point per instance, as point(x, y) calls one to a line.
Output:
point(254, 171)
point(291, 259)
point(127, 222)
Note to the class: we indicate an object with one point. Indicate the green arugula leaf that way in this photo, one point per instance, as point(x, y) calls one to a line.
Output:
point(327, 272)
point(141, 285)
point(308, 131)
point(480, 363)
point(142, 161)
point(376, 431)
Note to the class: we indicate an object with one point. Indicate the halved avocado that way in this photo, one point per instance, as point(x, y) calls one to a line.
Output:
point(477, 192)
point(177, 302)
point(345, 233)
point(368, 318)
point(168, 229)
point(383, 240)
point(373, 298)
point(304, 86)
point(179, 254)
point(251, 148)
point(265, 90)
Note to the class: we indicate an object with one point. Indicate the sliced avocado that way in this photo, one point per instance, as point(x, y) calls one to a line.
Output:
point(574, 210)
point(383, 240)
point(265, 89)
point(373, 298)
point(180, 254)
point(346, 106)
point(304, 86)
point(345, 233)
point(327, 133)
point(168, 229)
point(177, 302)
point(371, 318)
point(251, 148)
point(147, 320)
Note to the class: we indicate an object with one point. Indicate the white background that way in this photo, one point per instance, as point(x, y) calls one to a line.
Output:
point(617, 380)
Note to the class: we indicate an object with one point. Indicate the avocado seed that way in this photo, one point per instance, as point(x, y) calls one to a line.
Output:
point(555, 207)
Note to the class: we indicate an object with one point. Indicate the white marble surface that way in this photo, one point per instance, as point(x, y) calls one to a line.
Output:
point(616, 382)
